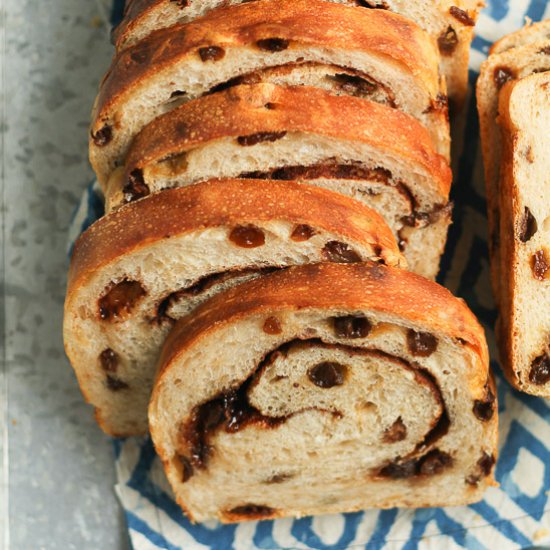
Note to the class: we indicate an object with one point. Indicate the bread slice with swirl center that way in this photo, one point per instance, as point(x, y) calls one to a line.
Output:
point(373, 391)
point(356, 147)
point(187, 61)
point(450, 23)
point(136, 271)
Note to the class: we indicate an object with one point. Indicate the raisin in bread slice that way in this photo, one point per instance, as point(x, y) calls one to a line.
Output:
point(498, 69)
point(449, 22)
point(137, 270)
point(325, 389)
point(532, 32)
point(524, 323)
point(380, 156)
point(187, 61)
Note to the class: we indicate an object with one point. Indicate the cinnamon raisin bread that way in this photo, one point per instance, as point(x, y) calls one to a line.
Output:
point(380, 156)
point(325, 389)
point(136, 271)
point(524, 323)
point(397, 60)
point(449, 22)
point(532, 32)
point(512, 64)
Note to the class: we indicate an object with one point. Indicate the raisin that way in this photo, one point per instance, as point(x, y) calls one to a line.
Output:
point(116, 384)
point(272, 326)
point(373, 4)
point(540, 370)
point(485, 409)
point(486, 463)
point(120, 300)
point(109, 360)
point(528, 226)
point(135, 188)
point(302, 233)
point(434, 462)
point(354, 85)
point(273, 44)
point(352, 327)
point(462, 16)
point(103, 136)
point(252, 510)
point(247, 236)
point(421, 344)
point(540, 265)
point(396, 432)
point(448, 41)
point(502, 75)
point(254, 139)
point(399, 470)
point(327, 374)
point(341, 253)
point(211, 53)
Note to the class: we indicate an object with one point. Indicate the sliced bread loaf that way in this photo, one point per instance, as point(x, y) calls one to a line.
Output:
point(524, 323)
point(136, 271)
point(183, 62)
point(449, 22)
point(376, 154)
point(498, 69)
point(531, 33)
point(325, 389)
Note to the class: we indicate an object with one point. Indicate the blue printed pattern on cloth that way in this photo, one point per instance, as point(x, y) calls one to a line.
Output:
point(515, 515)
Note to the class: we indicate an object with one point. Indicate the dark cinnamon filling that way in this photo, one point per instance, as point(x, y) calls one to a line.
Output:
point(350, 81)
point(231, 411)
point(201, 286)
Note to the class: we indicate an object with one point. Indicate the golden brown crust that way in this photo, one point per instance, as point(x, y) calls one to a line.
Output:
point(247, 110)
point(334, 286)
point(391, 36)
point(225, 202)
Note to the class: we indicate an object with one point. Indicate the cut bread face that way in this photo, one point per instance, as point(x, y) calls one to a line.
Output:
point(325, 389)
point(531, 33)
point(512, 64)
point(524, 324)
point(185, 62)
point(375, 154)
point(450, 23)
point(136, 271)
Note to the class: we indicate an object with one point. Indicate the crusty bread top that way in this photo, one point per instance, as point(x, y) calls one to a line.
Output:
point(352, 287)
point(247, 110)
point(220, 203)
point(331, 25)
point(531, 33)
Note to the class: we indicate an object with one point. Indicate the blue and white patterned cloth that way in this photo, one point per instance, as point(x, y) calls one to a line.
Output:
point(516, 515)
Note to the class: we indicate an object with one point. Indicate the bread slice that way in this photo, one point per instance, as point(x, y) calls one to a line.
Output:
point(531, 33)
point(373, 153)
point(139, 269)
point(323, 389)
point(449, 22)
point(499, 68)
point(186, 61)
point(524, 324)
